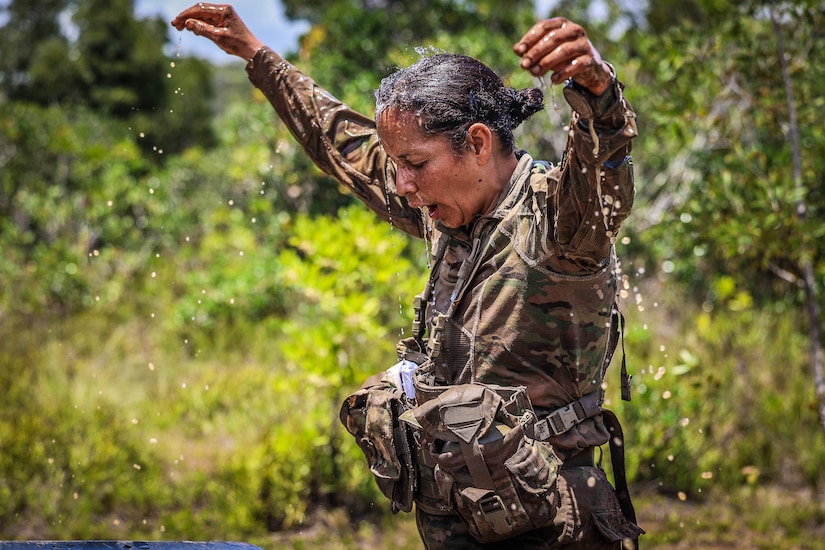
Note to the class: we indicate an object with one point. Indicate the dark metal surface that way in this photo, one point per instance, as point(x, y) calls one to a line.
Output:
point(121, 545)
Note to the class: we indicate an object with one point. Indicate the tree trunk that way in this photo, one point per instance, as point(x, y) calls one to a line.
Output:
point(806, 266)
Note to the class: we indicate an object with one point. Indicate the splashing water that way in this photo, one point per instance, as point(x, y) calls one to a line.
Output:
point(555, 112)
point(388, 197)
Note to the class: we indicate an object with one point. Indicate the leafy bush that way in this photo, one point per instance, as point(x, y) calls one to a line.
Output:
point(721, 397)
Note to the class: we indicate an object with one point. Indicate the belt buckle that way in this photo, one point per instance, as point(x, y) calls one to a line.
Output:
point(494, 511)
point(563, 419)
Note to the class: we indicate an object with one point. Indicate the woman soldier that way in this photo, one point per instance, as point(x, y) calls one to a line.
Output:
point(522, 292)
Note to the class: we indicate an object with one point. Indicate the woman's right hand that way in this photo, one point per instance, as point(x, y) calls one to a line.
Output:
point(222, 25)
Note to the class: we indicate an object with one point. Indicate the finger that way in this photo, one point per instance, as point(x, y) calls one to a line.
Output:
point(213, 14)
point(536, 33)
point(201, 28)
point(195, 11)
point(566, 60)
point(573, 68)
point(554, 48)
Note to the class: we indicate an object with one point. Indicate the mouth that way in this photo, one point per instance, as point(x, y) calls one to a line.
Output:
point(432, 209)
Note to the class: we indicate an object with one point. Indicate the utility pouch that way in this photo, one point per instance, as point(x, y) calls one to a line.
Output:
point(500, 481)
point(371, 415)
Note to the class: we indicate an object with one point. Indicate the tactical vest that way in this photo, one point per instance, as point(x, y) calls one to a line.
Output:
point(496, 311)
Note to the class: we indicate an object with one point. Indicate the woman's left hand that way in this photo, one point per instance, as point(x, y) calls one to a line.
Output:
point(561, 46)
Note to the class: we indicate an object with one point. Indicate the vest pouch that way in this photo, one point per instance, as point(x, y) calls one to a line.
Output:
point(498, 478)
point(424, 383)
point(372, 416)
point(515, 399)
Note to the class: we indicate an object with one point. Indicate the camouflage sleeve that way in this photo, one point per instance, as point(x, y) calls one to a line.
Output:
point(596, 188)
point(341, 142)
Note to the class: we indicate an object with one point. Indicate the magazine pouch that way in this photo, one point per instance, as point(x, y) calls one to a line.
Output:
point(500, 481)
point(372, 415)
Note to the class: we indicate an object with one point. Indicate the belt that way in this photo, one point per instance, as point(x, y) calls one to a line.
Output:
point(562, 419)
point(581, 459)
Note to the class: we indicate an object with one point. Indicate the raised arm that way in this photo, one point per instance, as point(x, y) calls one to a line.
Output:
point(596, 187)
point(341, 142)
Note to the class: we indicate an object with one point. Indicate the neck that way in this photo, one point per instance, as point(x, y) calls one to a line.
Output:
point(501, 172)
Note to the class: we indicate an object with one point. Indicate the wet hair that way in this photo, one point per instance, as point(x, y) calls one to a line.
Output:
point(450, 92)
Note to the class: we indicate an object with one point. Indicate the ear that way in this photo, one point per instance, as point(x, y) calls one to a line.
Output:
point(480, 142)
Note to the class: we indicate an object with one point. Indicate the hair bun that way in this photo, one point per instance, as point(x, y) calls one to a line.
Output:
point(525, 103)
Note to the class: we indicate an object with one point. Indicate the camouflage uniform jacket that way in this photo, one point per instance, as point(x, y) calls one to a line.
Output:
point(537, 312)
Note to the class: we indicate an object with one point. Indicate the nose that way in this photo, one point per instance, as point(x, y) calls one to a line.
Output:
point(404, 182)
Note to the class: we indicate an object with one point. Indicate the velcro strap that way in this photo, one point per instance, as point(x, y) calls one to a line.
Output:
point(477, 466)
point(564, 418)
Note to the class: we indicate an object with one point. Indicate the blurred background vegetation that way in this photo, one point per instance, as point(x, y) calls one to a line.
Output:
point(185, 300)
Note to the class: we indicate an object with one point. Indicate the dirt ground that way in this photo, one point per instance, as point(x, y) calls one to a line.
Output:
point(776, 519)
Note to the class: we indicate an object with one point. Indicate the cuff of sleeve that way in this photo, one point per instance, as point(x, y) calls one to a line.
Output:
point(588, 105)
point(250, 63)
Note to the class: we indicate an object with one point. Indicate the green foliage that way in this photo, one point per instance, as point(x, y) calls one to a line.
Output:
point(66, 456)
point(114, 65)
point(732, 203)
point(270, 389)
point(31, 36)
point(354, 43)
point(119, 57)
point(68, 187)
point(713, 404)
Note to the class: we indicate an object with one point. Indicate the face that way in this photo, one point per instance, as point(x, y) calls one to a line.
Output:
point(452, 188)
